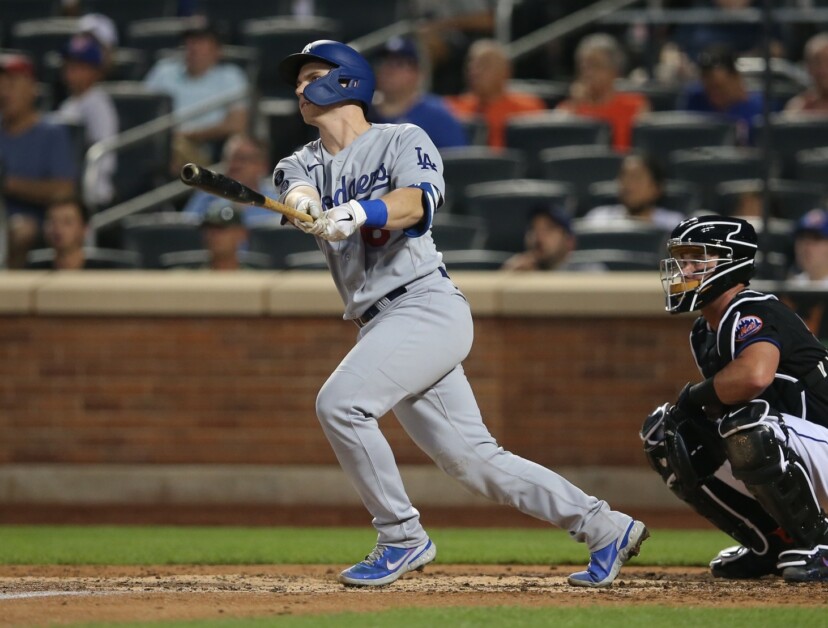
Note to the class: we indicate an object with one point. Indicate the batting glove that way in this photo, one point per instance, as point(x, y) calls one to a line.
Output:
point(340, 222)
point(313, 209)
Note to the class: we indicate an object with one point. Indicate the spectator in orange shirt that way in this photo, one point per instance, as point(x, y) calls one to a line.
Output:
point(488, 70)
point(599, 61)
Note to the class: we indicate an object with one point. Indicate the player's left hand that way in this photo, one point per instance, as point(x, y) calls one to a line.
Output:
point(340, 222)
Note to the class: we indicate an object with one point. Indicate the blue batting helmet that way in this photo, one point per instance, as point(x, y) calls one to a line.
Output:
point(350, 79)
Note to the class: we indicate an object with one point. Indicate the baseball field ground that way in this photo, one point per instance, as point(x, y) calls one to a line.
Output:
point(250, 577)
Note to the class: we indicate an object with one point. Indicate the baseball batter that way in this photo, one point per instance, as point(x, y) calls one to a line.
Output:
point(373, 191)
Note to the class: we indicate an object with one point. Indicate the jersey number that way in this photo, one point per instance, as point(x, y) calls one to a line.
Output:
point(374, 237)
point(423, 160)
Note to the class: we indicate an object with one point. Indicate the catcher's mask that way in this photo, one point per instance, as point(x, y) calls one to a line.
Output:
point(707, 255)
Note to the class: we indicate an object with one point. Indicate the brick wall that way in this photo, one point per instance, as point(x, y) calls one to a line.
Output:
point(560, 391)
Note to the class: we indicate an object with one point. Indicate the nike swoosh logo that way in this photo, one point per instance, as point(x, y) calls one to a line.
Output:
point(312, 167)
point(392, 566)
point(348, 219)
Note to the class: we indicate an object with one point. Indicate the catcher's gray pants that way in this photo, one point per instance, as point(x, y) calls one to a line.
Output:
point(407, 359)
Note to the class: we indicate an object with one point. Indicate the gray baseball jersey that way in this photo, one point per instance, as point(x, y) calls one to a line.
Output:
point(408, 357)
point(372, 263)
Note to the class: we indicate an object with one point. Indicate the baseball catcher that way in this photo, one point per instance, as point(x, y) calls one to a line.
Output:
point(746, 447)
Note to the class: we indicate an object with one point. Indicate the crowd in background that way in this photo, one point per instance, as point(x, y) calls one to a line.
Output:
point(451, 77)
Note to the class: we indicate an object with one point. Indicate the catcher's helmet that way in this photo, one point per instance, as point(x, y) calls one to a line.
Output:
point(350, 79)
point(707, 256)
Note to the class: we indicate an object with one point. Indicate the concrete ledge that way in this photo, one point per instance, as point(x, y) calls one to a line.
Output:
point(152, 293)
point(282, 485)
point(17, 290)
point(255, 293)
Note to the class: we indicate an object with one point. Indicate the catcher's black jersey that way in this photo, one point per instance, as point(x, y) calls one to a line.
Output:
point(756, 317)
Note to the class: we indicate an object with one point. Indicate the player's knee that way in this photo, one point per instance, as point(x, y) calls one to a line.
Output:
point(754, 451)
point(331, 404)
point(684, 452)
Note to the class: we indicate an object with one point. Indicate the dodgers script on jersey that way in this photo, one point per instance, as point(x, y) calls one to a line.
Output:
point(372, 262)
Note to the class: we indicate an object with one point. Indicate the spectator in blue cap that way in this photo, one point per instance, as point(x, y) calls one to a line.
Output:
point(401, 99)
point(84, 66)
point(549, 240)
point(811, 248)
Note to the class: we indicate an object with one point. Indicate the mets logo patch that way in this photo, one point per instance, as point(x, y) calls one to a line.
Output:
point(747, 326)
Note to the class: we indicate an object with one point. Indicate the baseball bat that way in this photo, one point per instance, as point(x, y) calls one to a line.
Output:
point(221, 185)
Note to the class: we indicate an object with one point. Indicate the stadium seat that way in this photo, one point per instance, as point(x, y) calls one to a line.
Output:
point(15, 11)
point(505, 206)
point(158, 33)
point(475, 259)
point(128, 64)
point(278, 242)
point(286, 128)
point(551, 92)
point(614, 260)
point(812, 166)
point(707, 167)
point(477, 131)
point(152, 235)
point(681, 196)
point(532, 133)
point(123, 12)
point(192, 260)
point(457, 233)
point(660, 133)
point(580, 166)
point(775, 255)
point(476, 164)
point(789, 200)
point(370, 16)
point(661, 97)
point(791, 134)
point(229, 14)
point(277, 37)
point(144, 165)
point(98, 258)
point(619, 235)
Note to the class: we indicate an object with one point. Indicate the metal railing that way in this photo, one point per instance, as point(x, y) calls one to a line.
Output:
point(139, 134)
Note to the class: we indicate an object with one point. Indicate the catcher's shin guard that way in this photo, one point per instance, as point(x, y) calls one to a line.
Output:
point(773, 473)
point(686, 453)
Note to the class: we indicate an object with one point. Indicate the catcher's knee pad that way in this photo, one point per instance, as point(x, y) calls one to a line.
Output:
point(683, 451)
point(686, 453)
point(773, 472)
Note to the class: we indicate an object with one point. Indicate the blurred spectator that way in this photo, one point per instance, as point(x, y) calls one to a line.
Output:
point(815, 98)
point(811, 253)
point(549, 241)
point(247, 162)
point(64, 230)
point(641, 182)
point(90, 106)
point(197, 78)
point(488, 71)
point(723, 90)
point(399, 81)
point(37, 157)
point(448, 29)
point(224, 235)
point(743, 37)
point(600, 61)
point(811, 248)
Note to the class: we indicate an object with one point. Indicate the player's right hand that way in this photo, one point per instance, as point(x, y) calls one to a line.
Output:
point(312, 208)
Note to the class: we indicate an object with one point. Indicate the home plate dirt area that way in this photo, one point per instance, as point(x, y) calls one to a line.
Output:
point(31, 596)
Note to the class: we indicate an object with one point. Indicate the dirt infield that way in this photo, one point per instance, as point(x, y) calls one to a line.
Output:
point(33, 596)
